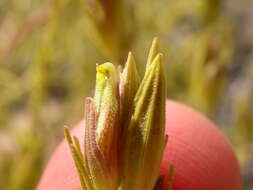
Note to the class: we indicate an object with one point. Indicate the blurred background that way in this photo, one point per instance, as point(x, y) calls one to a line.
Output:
point(48, 53)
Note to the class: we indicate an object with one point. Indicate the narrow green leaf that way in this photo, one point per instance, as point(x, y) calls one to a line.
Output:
point(78, 148)
point(77, 159)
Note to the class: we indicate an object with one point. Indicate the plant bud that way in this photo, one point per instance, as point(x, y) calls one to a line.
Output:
point(145, 139)
point(124, 134)
point(97, 167)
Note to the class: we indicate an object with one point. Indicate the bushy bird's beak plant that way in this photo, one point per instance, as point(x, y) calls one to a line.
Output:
point(124, 135)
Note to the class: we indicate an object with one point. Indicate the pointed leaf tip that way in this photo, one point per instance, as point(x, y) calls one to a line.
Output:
point(145, 133)
point(154, 49)
point(128, 86)
point(67, 135)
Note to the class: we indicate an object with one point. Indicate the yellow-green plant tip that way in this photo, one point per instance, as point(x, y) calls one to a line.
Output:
point(77, 159)
point(157, 59)
point(79, 167)
point(153, 51)
point(78, 147)
point(67, 135)
point(129, 84)
point(130, 72)
point(106, 80)
point(145, 139)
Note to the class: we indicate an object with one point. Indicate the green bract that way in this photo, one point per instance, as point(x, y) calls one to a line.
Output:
point(124, 136)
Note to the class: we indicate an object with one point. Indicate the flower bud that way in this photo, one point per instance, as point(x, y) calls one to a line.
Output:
point(97, 167)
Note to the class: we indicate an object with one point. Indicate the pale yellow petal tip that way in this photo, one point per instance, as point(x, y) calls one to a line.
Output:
point(105, 68)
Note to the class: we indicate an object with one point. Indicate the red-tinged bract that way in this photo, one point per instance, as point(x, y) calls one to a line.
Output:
point(202, 157)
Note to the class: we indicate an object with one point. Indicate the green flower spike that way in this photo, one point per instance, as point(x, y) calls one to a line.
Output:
point(124, 136)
